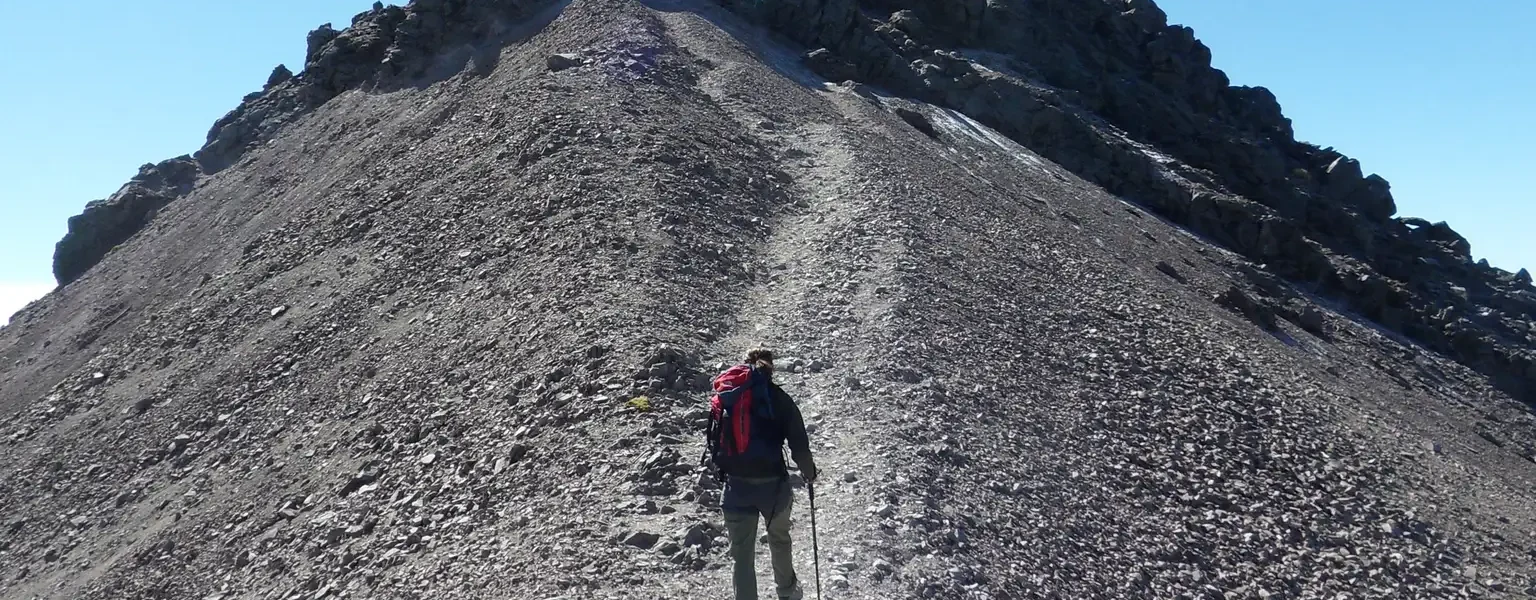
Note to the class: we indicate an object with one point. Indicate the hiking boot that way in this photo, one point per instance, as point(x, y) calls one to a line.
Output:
point(795, 594)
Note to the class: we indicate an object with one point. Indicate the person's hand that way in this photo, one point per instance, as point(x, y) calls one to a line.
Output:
point(808, 472)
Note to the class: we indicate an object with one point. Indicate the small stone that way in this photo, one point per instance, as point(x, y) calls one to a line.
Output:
point(359, 481)
point(517, 452)
point(1170, 271)
point(695, 535)
point(838, 582)
point(278, 312)
point(850, 477)
point(429, 458)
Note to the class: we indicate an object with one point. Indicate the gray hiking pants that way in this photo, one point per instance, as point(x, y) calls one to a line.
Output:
point(746, 499)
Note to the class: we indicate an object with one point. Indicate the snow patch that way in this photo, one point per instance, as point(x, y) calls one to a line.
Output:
point(958, 123)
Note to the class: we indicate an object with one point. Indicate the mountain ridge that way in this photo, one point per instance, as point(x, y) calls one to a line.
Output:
point(1238, 175)
point(399, 349)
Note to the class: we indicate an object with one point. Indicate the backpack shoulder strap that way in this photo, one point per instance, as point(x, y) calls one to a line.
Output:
point(762, 392)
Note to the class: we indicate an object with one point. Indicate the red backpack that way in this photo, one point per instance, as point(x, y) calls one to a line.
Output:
point(740, 419)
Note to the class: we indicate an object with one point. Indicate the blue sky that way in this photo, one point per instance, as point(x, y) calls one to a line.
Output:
point(1435, 99)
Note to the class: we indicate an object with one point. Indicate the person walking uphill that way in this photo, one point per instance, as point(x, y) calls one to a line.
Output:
point(751, 419)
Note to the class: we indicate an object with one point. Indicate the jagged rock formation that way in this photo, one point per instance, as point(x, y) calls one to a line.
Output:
point(386, 46)
point(107, 223)
point(432, 319)
point(1115, 93)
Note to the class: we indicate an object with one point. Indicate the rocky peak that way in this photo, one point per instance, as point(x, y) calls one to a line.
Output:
point(384, 46)
point(106, 223)
point(279, 76)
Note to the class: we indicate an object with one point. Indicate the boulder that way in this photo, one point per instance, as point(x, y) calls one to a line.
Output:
point(561, 62)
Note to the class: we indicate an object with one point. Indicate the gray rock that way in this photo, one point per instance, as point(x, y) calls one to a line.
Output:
point(561, 62)
point(642, 540)
point(365, 476)
point(697, 534)
point(1170, 271)
point(918, 121)
point(1313, 321)
point(1238, 300)
point(279, 76)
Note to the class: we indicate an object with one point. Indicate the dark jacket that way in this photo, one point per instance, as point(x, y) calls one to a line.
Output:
point(790, 429)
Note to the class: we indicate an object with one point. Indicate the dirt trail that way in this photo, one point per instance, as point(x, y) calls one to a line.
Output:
point(821, 300)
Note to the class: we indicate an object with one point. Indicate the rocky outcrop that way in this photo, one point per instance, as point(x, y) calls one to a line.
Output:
point(1115, 93)
point(383, 47)
point(106, 223)
point(388, 45)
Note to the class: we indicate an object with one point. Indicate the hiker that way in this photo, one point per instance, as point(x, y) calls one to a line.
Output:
point(755, 474)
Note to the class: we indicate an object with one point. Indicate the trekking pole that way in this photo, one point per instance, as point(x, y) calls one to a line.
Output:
point(815, 546)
